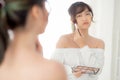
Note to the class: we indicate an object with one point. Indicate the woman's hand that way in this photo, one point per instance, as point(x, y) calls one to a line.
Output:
point(78, 71)
point(84, 70)
point(77, 74)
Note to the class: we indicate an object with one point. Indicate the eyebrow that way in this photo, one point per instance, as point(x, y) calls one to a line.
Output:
point(85, 11)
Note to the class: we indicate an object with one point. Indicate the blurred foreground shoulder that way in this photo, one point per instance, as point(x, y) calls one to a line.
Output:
point(57, 70)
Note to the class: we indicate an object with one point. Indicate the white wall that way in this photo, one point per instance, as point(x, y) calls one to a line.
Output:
point(116, 43)
point(105, 24)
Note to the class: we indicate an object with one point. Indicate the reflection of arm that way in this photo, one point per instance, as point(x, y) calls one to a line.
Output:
point(59, 56)
point(86, 70)
point(99, 64)
point(101, 54)
point(96, 61)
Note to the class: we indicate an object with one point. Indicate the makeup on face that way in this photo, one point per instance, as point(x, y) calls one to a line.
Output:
point(85, 13)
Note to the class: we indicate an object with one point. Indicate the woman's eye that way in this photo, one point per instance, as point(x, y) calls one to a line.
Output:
point(79, 16)
point(88, 13)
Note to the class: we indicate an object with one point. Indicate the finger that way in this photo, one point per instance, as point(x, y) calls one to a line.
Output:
point(82, 67)
point(83, 71)
point(80, 72)
point(76, 70)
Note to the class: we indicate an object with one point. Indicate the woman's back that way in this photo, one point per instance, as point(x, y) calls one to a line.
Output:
point(21, 57)
point(31, 67)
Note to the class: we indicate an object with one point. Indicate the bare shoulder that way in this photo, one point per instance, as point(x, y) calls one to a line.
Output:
point(39, 69)
point(63, 41)
point(100, 43)
point(55, 70)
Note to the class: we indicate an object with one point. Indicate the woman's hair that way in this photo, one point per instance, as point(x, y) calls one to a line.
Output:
point(2, 3)
point(76, 8)
point(14, 15)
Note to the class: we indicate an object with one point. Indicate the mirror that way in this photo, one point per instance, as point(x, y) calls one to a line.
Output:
point(106, 27)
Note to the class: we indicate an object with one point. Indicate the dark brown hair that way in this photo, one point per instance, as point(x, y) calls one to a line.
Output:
point(13, 15)
point(78, 7)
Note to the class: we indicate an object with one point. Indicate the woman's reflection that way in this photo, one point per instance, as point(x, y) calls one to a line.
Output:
point(81, 53)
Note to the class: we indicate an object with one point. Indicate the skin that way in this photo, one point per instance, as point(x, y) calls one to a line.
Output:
point(80, 37)
point(23, 58)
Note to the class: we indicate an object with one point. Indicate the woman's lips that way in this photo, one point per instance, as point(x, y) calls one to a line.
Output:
point(85, 23)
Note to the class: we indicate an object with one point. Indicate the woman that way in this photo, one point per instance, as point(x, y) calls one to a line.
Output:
point(21, 57)
point(81, 53)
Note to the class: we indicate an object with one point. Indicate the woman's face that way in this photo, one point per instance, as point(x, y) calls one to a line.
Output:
point(83, 19)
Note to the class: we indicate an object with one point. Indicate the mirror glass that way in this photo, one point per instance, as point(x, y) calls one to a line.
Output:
point(105, 27)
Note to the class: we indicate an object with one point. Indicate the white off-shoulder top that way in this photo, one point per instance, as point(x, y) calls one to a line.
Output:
point(70, 57)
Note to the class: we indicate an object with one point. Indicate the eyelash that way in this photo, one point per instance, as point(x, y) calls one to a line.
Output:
point(81, 15)
point(88, 14)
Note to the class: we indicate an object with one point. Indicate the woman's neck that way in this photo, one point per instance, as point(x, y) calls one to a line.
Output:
point(23, 45)
point(83, 32)
point(24, 39)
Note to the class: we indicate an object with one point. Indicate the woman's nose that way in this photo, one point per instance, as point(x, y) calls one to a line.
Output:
point(84, 17)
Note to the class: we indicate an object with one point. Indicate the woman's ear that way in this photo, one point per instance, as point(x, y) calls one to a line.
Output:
point(36, 11)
